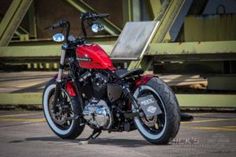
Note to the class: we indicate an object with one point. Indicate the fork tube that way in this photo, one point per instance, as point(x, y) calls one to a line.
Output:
point(62, 62)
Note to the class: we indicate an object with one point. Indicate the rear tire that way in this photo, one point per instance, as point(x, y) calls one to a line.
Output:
point(171, 113)
point(74, 128)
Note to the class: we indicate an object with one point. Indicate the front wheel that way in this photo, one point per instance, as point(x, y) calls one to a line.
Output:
point(163, 127)
point(61, 116)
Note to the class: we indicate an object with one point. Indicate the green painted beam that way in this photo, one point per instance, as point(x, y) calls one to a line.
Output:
point(84, 7)
point(127, 11)
point(37, 51)
point(160, 32)
point(167, 18)
point(154, 8)
point(20, 99)
point(8, 15)
point(222, 82)
point(100, 39)
point(12, 20)
point(22, 33)
point(30, 51)
point(214, 47)
point(131, 10)
point(185, 100)
point(207, 100)
point(32, 20)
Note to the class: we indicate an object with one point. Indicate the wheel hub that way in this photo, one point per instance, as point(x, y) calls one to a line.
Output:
point(150, 122)
point(58, 113)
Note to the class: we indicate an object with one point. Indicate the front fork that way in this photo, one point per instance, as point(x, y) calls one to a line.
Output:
point(60, 72)
point(62, 62)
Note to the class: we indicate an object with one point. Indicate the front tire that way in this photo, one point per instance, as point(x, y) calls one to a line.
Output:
point(62, 122)
point(165, 126)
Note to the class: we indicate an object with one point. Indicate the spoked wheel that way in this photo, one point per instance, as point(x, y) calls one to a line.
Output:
point(162, 127)
point(61, 116)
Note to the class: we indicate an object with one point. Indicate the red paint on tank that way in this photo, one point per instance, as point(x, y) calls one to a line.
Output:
point(93, 57)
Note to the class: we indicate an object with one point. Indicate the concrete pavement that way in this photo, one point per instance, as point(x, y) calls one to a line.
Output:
point(26, 134)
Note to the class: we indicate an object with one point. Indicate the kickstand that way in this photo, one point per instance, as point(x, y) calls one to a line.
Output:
point(95, 134)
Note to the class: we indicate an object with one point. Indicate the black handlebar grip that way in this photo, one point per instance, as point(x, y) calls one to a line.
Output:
point(94, 16)
point(60, 23)
point(103, 15)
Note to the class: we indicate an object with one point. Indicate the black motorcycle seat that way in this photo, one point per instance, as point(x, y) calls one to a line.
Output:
point(122, 73)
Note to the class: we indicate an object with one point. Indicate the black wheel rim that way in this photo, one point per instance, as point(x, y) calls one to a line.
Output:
point(160, 119)
point(61, 113)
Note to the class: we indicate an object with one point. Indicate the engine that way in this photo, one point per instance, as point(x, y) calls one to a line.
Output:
point(98, 114)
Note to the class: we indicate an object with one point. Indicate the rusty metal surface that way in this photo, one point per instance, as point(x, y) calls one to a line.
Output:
point(210, 28)
point(132, 40)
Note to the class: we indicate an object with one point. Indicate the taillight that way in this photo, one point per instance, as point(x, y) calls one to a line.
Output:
point(143, 80)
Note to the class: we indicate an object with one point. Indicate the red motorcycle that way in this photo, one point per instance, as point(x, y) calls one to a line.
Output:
point(89, 90)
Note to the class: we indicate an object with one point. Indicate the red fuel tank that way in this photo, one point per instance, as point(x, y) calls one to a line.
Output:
point(92, 56)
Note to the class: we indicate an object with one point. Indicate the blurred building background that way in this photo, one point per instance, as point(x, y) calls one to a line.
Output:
point(194, 37)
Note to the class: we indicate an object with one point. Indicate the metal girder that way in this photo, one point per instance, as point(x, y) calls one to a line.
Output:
point(12, 20)
point(175, 29)
point(30, 51)
point(185, 100)
point(168, 19)
point(159, 32)
point(221, 82)
point(22, 34)
point(210, 47)
point(127, 11)
point(83, 7)
point(207, 100)
point(205, 28)
point(37, 51)
point(102, 40)
point(155, 8)
point(187, 48)
point(199, 57)
point(131, 10)
point(32, 21)
point(20, 99)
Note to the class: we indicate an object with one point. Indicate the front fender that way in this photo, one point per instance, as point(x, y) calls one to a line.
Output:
point(69, 86)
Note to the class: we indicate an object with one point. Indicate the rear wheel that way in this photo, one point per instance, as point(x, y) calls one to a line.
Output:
point(161, 128)
point(61, 116)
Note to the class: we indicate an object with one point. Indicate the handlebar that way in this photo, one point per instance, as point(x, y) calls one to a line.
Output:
point(93, 16)
point(61, 24)
point(84, 17)
point(90, 16)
